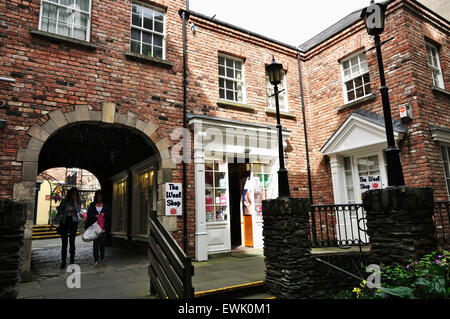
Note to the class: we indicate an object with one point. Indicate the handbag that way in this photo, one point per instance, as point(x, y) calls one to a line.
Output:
point(92, 233)
point(57, 219)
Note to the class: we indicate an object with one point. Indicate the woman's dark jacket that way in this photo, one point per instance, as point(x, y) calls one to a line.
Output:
point(92, 215)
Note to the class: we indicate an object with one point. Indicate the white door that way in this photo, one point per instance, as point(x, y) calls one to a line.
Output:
point(361, 173)
point(263, 183)
point(217, 206)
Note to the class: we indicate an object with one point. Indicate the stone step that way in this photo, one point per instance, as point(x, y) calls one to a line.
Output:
point(253, 290)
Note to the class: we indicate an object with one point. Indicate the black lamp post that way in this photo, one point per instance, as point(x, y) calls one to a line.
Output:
point(275, 72)
point(374, 18)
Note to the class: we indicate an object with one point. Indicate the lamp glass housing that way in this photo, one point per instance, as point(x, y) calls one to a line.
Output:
point(275, 72)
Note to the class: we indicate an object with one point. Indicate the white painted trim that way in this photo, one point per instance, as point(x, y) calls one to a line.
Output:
point(376, 130)
point(441, 136)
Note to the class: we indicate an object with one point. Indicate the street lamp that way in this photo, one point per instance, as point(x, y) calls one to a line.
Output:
point(275, 72)
point(374, 19)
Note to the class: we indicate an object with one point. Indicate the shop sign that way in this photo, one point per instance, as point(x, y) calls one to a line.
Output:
point(370, 182)
point(174, 199)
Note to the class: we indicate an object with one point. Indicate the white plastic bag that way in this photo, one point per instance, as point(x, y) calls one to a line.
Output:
point(92, 233)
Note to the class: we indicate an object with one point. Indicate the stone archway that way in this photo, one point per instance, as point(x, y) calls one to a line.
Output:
point(57, 121)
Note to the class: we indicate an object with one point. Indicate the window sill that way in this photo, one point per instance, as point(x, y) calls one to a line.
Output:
point(365, 99)
point(150, 60)
point(235, 105)
point(287, 115)
point(438, 90)
point(60, 38)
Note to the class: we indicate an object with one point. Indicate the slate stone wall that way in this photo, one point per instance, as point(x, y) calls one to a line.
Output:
point(287, 247)
point(400, 223)
point(12, 221)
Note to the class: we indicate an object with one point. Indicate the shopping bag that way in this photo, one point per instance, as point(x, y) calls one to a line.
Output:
point(92, 233)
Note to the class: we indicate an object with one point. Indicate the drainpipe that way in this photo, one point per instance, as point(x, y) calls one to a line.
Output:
point(185, 125)
point(305, 130)
point(313, 224)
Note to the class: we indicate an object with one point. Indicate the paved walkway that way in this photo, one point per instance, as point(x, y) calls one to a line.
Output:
point(124, 273)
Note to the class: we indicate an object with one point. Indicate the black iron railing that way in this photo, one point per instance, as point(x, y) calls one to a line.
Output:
point(170, 270)
point(338, 225)
point(442, 221)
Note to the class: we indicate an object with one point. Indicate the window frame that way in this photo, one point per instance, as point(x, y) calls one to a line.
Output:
point(215, 188)
point(152, 32)
point(226, 78)
point(285, 92)
point(444, 162)
point(88, 27)
point(352, 78)
point(434, 68)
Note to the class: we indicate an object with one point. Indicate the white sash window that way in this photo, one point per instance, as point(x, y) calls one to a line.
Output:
point(70, 18)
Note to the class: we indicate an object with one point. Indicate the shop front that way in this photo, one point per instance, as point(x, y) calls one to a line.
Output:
point(236, 166)
point(358, 164)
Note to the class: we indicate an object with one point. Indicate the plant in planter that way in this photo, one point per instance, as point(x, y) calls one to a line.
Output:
point(427, 278)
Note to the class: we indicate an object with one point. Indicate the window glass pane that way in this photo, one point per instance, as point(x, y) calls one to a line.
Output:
point(222, 93)
point(83, 5)
point(136, 20)
point(68, 3)
point(238, 75)
point(230, 95)
point(221, 60)
point(346, 65)
point(351, 95)
point(157, 40)
point(65, 16)
point(136, 47)
point(347, 163)
point(146, 49)
point(238, 65)
point(159, 27)
point(49, 25)
point(359, 92)
point(221, 71)
point(349, 178)
point(350, 85)
point(81, 19)
point(358, 82)
point(230, 73)
point(63, 29)
point(49, 11)
point(354, 61)
point(135, 35)
point(157, 52)
point(444, 153)
point(79, 33)
point(148, 23)
point(221, 83)
point(229, 85)
point(229, 63)
point(147, 38)
point(209, 181)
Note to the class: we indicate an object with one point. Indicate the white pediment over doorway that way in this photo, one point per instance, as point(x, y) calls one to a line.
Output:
point(359, 132)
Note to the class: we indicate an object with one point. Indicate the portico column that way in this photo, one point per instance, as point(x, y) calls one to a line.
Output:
point(335, 164)
point(201, 235)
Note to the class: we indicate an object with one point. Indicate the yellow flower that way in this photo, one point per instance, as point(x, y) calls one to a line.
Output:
point(363, 284)
point(357, 291)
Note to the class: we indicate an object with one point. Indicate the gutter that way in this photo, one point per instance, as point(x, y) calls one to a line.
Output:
point(236, 28)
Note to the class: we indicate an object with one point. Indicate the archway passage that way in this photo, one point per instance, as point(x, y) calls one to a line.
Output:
point(103, 149)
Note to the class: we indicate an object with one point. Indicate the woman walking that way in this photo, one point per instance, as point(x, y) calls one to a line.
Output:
point(99, 211)
point(68, 217)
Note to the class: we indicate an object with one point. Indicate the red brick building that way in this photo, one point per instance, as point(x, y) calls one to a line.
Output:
point(102, 85)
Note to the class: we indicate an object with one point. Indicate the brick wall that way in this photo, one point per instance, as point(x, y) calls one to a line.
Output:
point(409, 80)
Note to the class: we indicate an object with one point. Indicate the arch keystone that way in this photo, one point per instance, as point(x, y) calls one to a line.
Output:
point(108, 112)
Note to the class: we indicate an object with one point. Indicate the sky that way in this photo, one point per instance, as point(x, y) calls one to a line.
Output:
point(289, 21)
